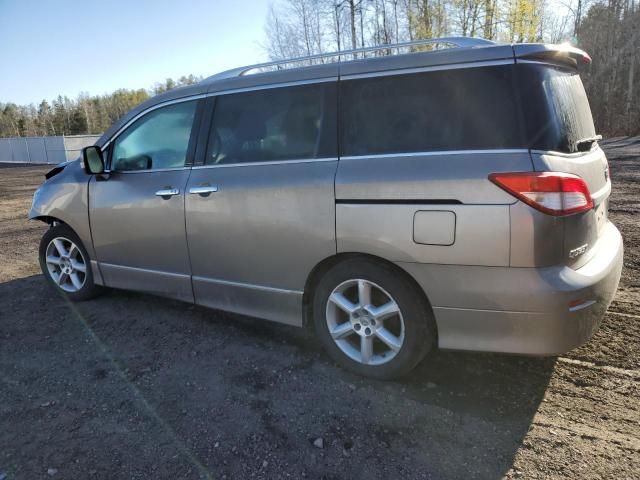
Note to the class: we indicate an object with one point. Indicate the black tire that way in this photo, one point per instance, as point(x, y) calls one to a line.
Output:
point(88, 289)
point(419, 325)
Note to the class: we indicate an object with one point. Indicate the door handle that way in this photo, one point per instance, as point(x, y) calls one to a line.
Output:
point(203, 190)
point(167, 192)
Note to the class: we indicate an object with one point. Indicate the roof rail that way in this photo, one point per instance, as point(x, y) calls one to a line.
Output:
point(456, 42)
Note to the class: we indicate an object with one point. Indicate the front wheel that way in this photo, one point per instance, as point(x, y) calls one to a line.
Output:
point(65, 263)
point(372, 319)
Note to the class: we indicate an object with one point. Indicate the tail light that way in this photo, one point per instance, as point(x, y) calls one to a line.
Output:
point(552, 193)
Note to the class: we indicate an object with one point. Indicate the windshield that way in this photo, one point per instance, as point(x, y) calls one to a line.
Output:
point(556, 109)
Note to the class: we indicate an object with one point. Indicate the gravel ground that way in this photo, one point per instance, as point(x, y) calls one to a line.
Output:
point(134, 386)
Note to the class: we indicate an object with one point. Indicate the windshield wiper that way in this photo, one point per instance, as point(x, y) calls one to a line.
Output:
point(585, 144)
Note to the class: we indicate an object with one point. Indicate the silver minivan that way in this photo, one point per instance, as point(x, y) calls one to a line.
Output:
point(450, 197)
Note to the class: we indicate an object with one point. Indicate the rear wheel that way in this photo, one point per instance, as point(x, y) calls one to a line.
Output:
point(372, 319)
point(65, 263)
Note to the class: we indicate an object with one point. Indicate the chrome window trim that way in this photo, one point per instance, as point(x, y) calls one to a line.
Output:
point(555, 153)
point(268, 86)
point(274, 162)
point(153, 170)
point(433, 68)
point(247, 285)
point(306, 82)
point(302, 82)
point(149, 110)
point(436, 153)
point(214, 94)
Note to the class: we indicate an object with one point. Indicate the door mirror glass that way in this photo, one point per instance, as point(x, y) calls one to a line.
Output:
point(92, 160)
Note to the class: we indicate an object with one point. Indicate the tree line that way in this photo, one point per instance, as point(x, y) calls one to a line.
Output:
point(86, 114)
point(609, 30)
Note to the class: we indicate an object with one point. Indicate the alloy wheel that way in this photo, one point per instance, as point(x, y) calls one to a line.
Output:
point(66, 264)
point(365, 322)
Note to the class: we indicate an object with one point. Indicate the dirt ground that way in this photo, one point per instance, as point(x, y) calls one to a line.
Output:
point(133, 386)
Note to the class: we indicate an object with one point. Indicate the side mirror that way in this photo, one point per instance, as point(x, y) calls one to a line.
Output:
point(92, 160)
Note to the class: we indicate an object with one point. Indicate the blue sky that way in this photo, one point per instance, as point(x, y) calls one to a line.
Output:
point(52, 47)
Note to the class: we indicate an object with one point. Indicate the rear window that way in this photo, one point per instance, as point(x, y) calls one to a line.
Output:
point(556, 109)
point(455, 109)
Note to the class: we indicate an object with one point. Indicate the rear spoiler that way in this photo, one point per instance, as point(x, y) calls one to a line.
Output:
point(561, 54)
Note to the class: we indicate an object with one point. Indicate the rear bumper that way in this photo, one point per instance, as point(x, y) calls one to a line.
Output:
point(533, 311)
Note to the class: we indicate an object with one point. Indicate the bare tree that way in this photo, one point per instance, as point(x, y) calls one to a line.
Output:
point(489, 26)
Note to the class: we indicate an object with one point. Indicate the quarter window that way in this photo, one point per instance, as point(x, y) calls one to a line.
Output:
point(455, 109)
point(158, 140)
point(288, 123)
point(556, 108)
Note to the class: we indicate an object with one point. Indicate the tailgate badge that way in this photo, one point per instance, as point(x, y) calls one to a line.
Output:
point(576, 252)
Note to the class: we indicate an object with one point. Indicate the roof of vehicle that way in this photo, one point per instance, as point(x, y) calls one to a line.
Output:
point(465, 51)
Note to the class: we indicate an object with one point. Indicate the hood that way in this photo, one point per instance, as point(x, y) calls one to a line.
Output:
point(58, 168)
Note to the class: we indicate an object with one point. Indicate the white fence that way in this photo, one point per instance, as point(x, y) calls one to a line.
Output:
point(43, 149)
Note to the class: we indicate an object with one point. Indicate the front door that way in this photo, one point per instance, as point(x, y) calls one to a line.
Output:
point(137, 213)
point(260, 211)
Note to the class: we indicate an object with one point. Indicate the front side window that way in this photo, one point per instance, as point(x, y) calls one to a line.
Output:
point(158, 140)
point(288, 123)
point(455, 109)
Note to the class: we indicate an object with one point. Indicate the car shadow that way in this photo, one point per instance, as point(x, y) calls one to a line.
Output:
point(163, 385)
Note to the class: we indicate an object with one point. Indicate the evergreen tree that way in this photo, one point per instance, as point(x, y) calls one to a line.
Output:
point(85, 114)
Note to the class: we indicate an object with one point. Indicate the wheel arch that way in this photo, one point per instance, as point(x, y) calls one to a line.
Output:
point(76, 224)
point(326, 264)
point(93, 278)
point(49, 220)
point(87, 243)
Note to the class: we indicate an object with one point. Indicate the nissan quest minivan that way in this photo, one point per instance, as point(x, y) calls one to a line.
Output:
point(452, 198)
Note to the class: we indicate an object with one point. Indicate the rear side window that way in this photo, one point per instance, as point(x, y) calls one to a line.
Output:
point(288, 123)
point(457, 109)
point(557, 112)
